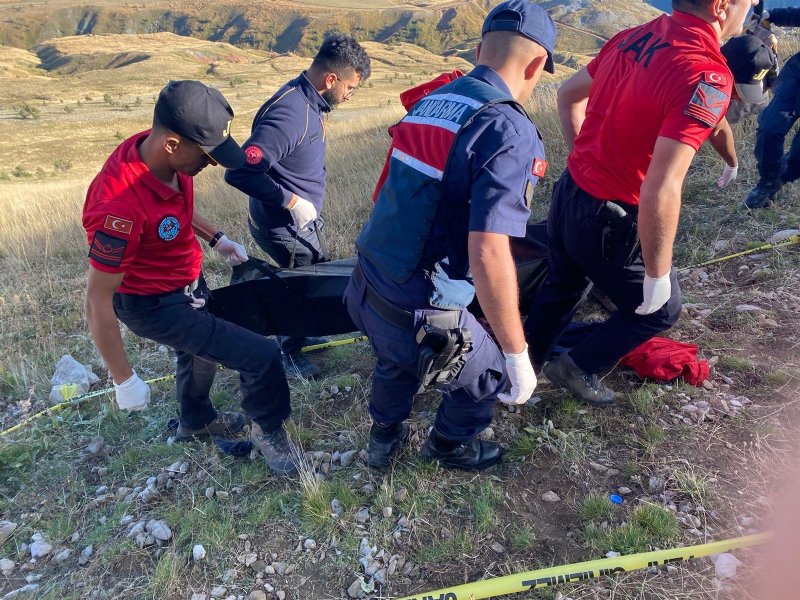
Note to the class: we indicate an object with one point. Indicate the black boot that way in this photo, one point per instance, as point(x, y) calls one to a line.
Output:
point(384, 441)
point(470, 455)
point(765, 192)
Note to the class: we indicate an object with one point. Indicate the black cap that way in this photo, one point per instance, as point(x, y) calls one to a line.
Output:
point(749, 59)
point(200, 113)
point(527, 18)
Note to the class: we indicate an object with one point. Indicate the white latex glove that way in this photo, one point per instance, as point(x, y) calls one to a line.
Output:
point(233, 253)
point(523, 379)
point(303, 212)
point(728, 175)
point(657, 291)
point(133, 393)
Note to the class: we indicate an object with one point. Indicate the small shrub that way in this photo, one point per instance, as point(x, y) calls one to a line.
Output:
point(61, 164)
point(19, 171)
point(68, 109)
point(596, 508)
point(28, 111)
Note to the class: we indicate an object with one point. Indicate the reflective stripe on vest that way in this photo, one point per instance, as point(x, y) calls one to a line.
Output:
point(422, 142)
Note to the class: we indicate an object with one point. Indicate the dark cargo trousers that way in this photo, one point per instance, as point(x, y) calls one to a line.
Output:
point(467, 402)
point(774, 124)
point(590, 241)
point(201, 341)
point(289, 247)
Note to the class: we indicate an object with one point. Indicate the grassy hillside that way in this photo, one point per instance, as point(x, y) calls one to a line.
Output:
point(299, 26)
point(693, 464)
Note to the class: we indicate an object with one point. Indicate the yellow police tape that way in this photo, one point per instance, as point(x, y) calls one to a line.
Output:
point(795, 239)
point(68, 389)
point(578, 572)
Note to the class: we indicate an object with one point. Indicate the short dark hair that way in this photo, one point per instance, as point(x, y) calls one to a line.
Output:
point(340, 52)
point(689, 6)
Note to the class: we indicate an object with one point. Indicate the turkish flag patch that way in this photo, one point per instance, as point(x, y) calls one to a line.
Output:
point(539, 167)
point(118, 224)
point(253, 154)
point(714, 78)
point(708, 104)
point(107, 249)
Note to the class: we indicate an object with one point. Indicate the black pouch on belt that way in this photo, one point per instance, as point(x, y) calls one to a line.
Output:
point(620, 239)
point(442, 354)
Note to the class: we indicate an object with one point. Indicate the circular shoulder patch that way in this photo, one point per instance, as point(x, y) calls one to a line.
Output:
point(169, 228)
point(253, 154)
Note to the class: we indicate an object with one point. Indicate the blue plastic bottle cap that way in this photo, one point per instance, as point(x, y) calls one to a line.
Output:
point(615, 498)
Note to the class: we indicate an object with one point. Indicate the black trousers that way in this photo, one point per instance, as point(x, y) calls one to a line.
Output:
point(594, 240)
point(202, 341)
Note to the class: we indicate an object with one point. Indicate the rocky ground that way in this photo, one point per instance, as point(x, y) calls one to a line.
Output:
point(102, 504)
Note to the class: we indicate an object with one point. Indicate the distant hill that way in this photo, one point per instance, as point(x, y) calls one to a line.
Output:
point(299, 26)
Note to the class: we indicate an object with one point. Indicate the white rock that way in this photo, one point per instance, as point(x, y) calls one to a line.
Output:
point(199, 596)
point(387, 511)
point(6, 529)
point(362, 516)
point(25, 589)
point(159, 530)
point(624, 491)
point(498, 547)
point(198, 552)
point(743, 308)
point(61, 556)
point(40, 548)
point(280, 595)
point(783, 235)
point(725, 565)
point(95, 445)
point(346, 458)
point(551, 496)
point(309, 544)
point(355, 591)
point(612, 554)
point(6, 566)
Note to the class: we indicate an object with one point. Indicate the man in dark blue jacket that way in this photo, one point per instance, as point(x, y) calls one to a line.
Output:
point(463, 164)
point(774, 123)
point(285, 172)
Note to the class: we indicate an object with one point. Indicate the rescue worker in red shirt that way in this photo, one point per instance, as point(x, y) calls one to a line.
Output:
point(144, 265)
point(633, 120)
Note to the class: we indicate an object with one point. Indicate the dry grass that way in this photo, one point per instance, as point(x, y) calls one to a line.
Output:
point(47, 480)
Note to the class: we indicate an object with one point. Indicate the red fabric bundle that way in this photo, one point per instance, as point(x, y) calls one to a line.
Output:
point(665, 359)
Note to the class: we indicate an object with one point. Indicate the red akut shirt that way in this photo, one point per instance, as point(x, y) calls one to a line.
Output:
point(138, 225)
point(665, 78)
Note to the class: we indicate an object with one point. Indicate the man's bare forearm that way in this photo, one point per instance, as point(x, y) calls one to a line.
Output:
point(495, 276)
point(722, 140)
point(571, 117)
point(658, 224)
point(105, 332)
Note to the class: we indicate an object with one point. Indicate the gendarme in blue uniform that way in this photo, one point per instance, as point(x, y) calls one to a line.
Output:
point(486, 178)
point(490, 172)
point(285, 154)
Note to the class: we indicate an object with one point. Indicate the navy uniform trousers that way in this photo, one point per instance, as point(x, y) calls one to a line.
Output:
point(467, 402)
point(774, 124)
point(202, 341)
point(590, 241)
point(289, 247)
